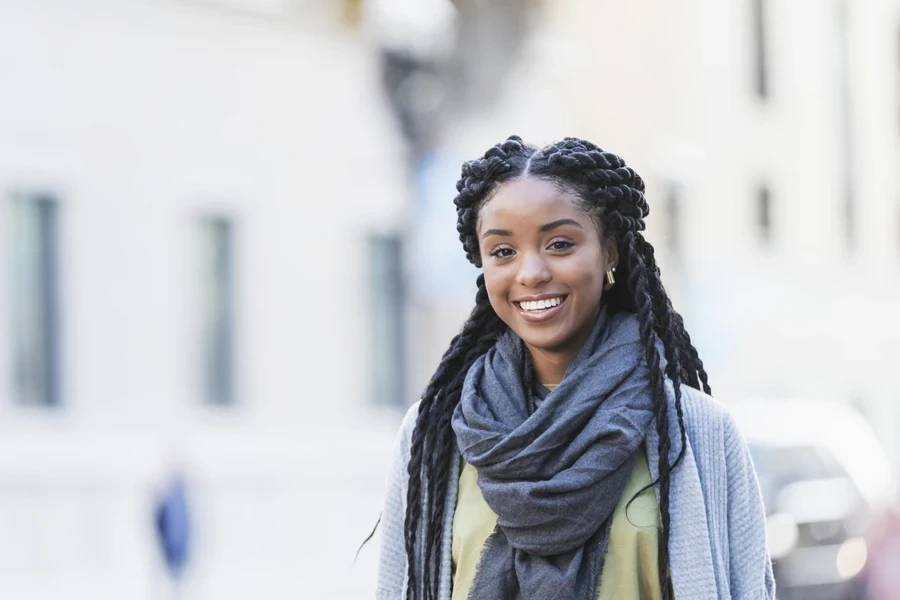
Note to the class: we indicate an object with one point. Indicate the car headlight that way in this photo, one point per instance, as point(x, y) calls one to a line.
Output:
point(851, 558)
point(781, 534)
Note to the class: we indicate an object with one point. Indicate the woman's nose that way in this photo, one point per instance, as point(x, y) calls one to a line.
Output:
point(533, 271)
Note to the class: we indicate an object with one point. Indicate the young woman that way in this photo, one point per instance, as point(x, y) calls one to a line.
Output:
point(567, 446)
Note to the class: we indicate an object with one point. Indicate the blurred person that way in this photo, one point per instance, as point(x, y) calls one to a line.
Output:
point(172, 522)
point(567, 445)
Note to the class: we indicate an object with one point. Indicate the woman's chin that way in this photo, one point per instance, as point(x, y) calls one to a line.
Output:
point(544, 343)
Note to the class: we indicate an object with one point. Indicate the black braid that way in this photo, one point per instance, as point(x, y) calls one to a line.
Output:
point(479, 334)
point(666, 316)
point(638, 281)
point(614, 194)
point(693, 373)
point(433, 439)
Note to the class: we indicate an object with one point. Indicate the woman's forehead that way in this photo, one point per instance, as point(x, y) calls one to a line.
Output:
point(530, 199)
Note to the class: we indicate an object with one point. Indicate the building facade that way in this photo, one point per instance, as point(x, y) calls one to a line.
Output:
point(769, 137)
point(186, 191)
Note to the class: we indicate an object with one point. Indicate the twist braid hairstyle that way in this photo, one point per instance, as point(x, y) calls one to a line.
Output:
point(612, 193)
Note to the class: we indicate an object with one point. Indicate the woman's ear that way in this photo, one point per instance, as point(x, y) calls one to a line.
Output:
point(611, 246)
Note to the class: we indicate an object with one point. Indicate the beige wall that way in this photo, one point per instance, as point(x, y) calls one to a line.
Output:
point(670, 88)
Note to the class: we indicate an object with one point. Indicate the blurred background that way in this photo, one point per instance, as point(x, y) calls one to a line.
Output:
point(228, 263)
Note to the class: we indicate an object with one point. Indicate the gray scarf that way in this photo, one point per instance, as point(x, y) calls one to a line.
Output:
point(554, 472)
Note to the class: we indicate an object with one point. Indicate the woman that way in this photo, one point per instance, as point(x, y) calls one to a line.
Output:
point(571, 395)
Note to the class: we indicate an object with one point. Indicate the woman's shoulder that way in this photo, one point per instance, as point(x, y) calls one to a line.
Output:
point(701, 405)
point(707, 419)
point(409, 419)
point(407, 425)
point(703, 413)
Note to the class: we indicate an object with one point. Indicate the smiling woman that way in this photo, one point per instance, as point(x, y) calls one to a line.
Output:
point(572, 391)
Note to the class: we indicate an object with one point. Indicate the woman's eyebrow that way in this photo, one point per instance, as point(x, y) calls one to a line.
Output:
point(559, 223)
point(503, 232)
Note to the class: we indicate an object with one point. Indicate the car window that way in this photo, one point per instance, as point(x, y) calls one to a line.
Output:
point(779, 466)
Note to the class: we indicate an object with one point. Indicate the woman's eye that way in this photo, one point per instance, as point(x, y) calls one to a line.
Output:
point(561, 245)
point(502, 253)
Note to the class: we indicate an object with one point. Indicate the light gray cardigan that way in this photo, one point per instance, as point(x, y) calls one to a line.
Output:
point(717, 543)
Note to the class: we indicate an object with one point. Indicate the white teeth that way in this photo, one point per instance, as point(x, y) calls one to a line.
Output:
point(541, 304)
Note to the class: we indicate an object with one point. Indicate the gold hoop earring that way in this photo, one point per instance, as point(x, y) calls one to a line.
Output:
point(610, 280)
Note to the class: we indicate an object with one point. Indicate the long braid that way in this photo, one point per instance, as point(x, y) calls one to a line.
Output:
point(637, 280)
point(670, 333)
point(432, 432)
point(692, 367)
point(432, 446)
point(415, 467)
point(477, 337)
point(414, 492)
point(414, 505)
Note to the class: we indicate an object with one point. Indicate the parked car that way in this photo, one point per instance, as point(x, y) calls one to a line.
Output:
point(822, 474)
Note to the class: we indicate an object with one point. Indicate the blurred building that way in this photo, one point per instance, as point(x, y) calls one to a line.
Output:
point(186, 194)
point(769, 135)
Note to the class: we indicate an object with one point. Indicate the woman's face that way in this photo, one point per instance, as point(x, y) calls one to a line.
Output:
point(544, 263)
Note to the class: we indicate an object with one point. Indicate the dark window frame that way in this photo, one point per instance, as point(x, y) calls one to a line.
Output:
point(218, 314)
point(388, 327)
point(674, 212)
point(35, 290)
point(761, 83)
point(763, 208)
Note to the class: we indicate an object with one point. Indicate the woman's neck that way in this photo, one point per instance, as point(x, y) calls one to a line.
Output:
point(550, 367)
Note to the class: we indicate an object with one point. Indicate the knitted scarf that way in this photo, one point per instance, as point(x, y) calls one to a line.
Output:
point(553, 472)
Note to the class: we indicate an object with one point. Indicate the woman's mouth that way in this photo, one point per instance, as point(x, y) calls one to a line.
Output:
point(540, 310)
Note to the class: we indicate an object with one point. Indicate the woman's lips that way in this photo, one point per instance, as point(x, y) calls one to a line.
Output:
point(544, 314)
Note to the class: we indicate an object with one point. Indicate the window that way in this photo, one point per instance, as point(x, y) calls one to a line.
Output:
point(764, 212)
point(217, 312)
point(760, 57)
point(388, 331)
point(849, 212)
point(846, 139)
point(35, 300)
point(673, 220)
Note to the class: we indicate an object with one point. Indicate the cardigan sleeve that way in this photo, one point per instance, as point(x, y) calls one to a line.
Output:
point(392, 558)
point(750, 566)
